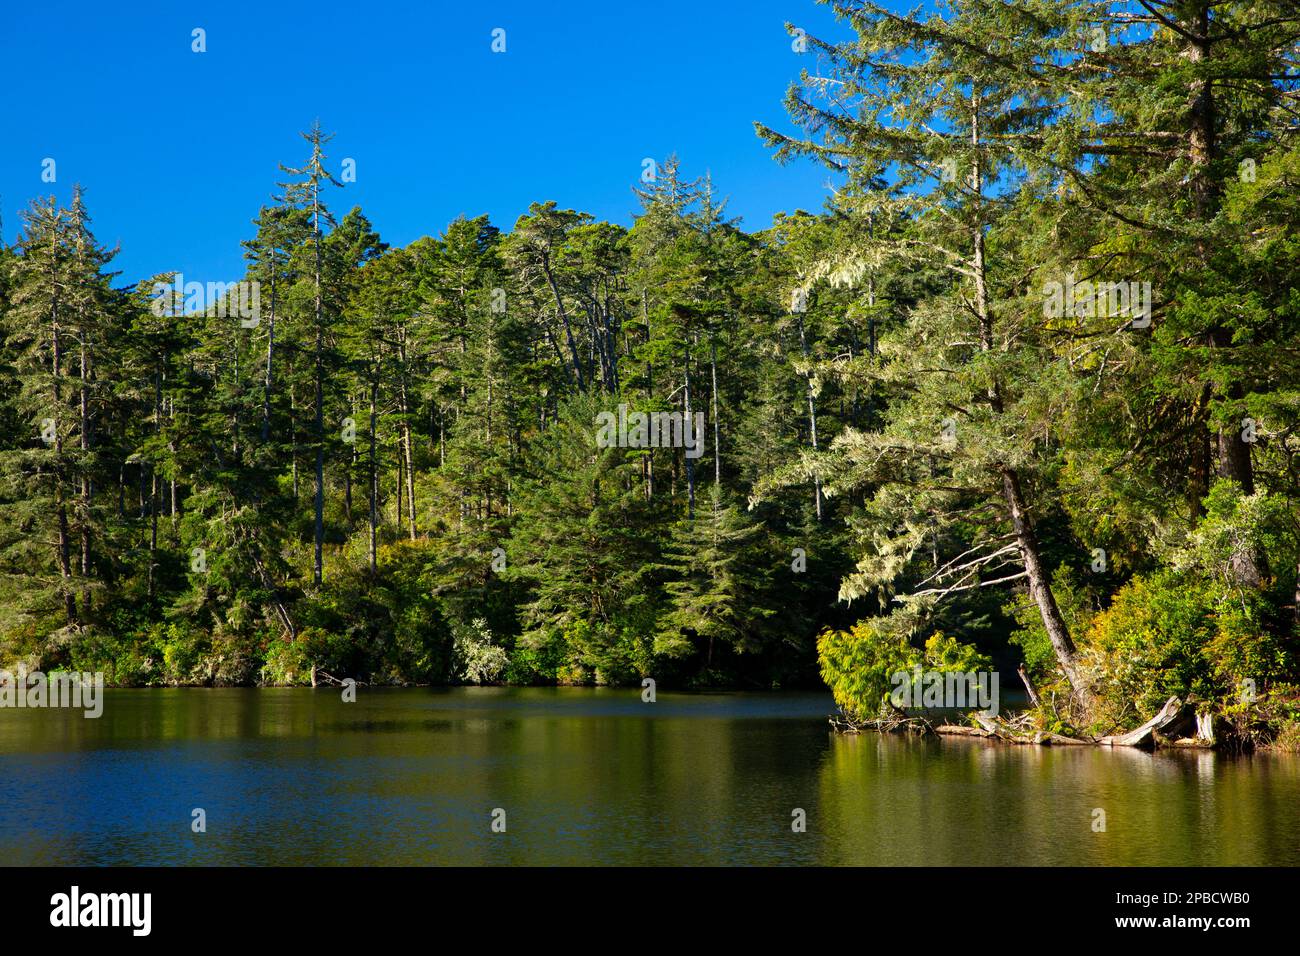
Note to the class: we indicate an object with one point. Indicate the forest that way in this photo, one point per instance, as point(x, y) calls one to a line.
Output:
point(1025, 393)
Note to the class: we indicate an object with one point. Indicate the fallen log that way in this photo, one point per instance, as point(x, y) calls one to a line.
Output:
point(1171, 717)
point(960, 730)
point(1161, 729)
point(1051, 738)
point(989, 724)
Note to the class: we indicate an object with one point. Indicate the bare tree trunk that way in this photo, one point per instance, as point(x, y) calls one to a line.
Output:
point(406, 449)
point(1029, 686)
point(401, 478)
point(153, 528)
point(65, 564)
point(293, 440)
point(374, 477)
point(318, 567)
point(649, 391)
point(270, 356)
point(1296, 610)
point(1199, 485)
point(686, 423)
point(1040, 585)
point(347, 489)
point(812, 418)
point(61, 510)
point(84, 442)
point(174, 508)
point(564, 319)
point(713, 394)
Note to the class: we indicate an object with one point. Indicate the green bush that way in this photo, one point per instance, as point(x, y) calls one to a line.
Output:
point(124, 662)
point(183, 651)
point(1147, 646)
point(858, 665)
point(286, 663)
point(387, 627)
point(1252, 642)
point(536, 661)
point(477, 658)
point(1177, 633)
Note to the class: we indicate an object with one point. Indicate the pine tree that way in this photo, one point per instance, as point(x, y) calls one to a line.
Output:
point(306, 194)
point(953, 105)
point(39, 329)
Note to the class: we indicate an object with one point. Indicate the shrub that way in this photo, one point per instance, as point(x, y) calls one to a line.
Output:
point(1251, 642)
point(477, 659)
point(1147, 646)
point(536, 661)
point(1179, 633)
point(183, 650)
point(858, 664)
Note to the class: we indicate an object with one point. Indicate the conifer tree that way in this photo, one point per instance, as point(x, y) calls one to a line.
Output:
point(305, 193)
point(948, 104)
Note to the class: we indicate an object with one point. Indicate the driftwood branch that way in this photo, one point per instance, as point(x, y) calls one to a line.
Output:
point(1029, 687)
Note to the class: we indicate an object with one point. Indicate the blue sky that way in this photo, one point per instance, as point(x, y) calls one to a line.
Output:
point(177, 150)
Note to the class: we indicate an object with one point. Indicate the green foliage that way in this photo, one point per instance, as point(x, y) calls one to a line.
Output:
point(387, 627)
point(859, 665)
point(1147, 647)
point(393, 474)
point(1175, 633)
point(477, 660)
point(944, 653)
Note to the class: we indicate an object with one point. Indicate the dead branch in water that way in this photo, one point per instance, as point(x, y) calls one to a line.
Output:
point(890, 724)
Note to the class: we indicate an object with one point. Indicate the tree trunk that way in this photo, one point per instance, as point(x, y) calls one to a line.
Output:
point(1233, 454)
point(1296, 610)
point(84, 442)
point(153, 528)
point(318, 567)
point(713, 394)
point(61, 511)
point(1040, 584)
point(649, 391)
point(1029, 686)
point(686, 423)
point(1200, 453)
point(374, 477)
point(406, 451)
point(564, 320)
point(812, 418)
point(270, 356)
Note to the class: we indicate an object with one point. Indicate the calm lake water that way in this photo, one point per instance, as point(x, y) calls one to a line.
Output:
point(401, 777)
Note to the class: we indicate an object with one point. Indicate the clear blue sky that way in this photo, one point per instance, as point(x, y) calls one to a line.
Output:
point(177, 150)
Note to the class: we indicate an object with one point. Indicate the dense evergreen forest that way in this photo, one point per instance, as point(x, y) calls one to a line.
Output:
point(1026, 392)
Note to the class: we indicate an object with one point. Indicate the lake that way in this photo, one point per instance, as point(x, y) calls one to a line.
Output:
point(297, 777)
